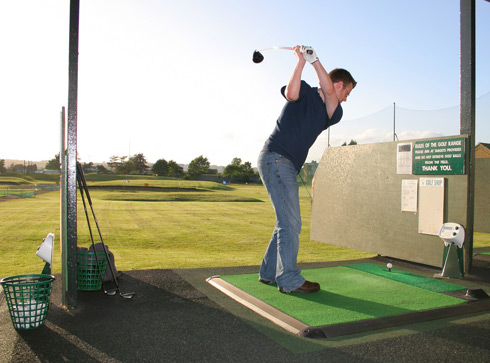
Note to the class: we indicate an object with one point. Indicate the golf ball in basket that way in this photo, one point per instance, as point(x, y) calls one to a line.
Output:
point(27, 315)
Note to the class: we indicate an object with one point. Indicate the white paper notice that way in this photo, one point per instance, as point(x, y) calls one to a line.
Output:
point(409, 195)
point(431, 205)
point(404, 158)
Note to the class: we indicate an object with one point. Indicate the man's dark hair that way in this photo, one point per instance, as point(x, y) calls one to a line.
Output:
point(341, 75)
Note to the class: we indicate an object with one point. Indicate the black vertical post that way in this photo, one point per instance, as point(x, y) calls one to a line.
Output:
point(71, 295)
point(467, 113)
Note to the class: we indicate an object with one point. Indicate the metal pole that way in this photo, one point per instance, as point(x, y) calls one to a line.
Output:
point(63, 214)
point(394, 132)
point(467, 113)
point(71, 295)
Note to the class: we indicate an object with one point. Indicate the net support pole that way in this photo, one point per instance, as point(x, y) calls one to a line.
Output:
point(467, 112)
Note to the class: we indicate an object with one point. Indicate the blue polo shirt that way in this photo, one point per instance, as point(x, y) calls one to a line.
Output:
point(299, 125)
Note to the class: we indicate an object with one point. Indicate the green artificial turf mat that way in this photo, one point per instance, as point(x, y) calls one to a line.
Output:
point(346, 295)
point(485, 253)
point(407, 278)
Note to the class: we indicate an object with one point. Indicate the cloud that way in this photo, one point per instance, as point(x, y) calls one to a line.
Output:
point(413, 135)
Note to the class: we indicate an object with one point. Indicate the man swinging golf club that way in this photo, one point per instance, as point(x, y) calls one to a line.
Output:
point(307, 112)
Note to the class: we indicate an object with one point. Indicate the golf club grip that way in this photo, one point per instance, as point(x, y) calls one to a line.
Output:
point(85, 209)
point(80, 186)
point(84, 182)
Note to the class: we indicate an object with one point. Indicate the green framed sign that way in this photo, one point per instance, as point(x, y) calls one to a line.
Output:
point(439, 157)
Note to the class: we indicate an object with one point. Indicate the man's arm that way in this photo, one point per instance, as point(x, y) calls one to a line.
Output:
point(327, 88)
point(294, 85)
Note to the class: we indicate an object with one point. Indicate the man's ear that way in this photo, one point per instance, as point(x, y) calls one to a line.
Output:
point(339, 85)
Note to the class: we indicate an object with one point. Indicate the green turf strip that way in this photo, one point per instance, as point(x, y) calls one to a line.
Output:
point(407, 278)
point(346, 295)
point(485, 253)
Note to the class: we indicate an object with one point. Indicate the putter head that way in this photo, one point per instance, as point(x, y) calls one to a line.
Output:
point(257, 57)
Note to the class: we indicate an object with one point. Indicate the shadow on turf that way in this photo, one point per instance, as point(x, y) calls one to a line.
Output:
point(358, 305)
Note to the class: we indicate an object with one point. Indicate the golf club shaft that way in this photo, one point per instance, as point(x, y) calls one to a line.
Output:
point(275, 47)
point(85, 187)
point(79, 179)
point(304, 184)
point(83, 182)
point(127, 295)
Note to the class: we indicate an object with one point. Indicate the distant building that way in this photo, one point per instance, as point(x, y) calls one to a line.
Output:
point(482, 150)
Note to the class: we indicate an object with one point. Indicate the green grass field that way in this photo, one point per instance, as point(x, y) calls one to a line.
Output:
point(192, 224)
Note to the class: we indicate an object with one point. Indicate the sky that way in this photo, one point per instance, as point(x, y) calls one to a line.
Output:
point(175, 79)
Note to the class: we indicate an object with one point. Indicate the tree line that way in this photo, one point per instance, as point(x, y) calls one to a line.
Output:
point(199, 167)
point(28, 167)
point(137, 164)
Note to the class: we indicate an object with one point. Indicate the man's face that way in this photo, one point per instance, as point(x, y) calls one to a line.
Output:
point(343, 91)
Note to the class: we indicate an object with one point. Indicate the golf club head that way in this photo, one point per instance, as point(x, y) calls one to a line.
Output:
point(127, 295)
point(110, 292)
point(477, 294)
point(257, 57)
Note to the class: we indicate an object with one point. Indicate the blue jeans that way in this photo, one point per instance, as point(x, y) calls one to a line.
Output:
point(279, 264)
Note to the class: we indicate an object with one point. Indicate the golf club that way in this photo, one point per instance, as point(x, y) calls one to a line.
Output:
point(258, 57)
point(82, 183)
point(304, 184)
point(80, 186)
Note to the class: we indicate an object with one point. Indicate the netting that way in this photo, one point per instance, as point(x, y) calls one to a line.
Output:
point(409, 125)
point(48, 186)
point(20, 193)
point(27, 191)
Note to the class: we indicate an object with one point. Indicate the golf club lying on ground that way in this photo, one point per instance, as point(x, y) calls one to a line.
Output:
point(82, 184)
point(258, 57)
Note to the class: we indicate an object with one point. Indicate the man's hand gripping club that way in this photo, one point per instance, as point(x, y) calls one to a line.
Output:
point(308, 53)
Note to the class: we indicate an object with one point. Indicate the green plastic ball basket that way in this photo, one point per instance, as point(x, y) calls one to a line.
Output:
point(27, 298)
point(88, 273)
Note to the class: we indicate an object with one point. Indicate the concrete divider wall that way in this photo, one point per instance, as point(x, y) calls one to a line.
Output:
point(357, 204)
point(482, 195)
